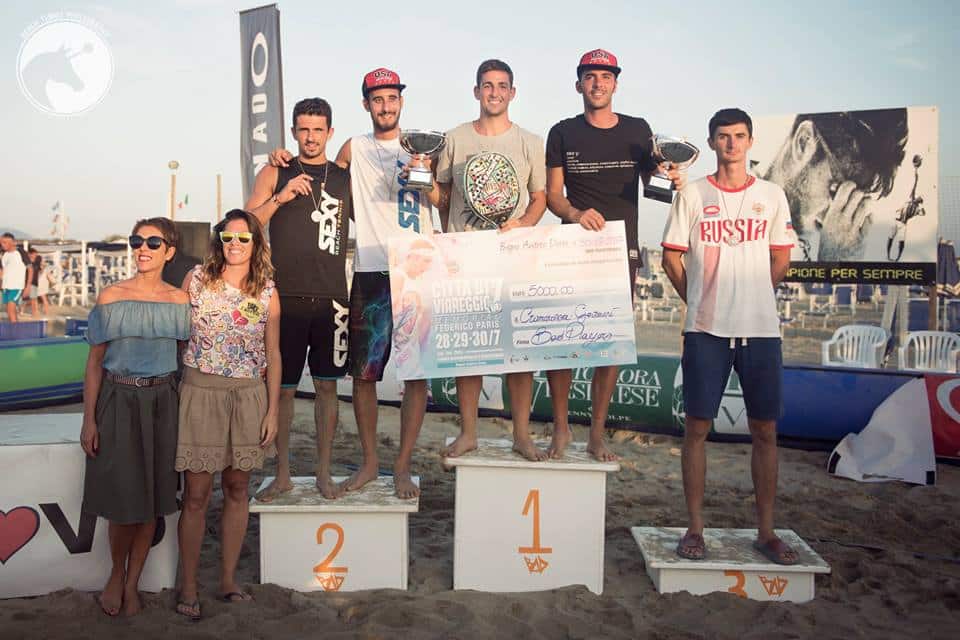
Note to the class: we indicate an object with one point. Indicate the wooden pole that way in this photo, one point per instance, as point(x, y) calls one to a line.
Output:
point(933, 319)
point(219, 214)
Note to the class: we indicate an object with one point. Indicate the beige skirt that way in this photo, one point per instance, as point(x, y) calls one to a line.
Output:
point(220, 421)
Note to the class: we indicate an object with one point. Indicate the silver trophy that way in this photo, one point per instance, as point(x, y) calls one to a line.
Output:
point(419, 143)
point(672, 152)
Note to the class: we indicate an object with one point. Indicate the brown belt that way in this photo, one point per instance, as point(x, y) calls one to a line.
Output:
point(137, 381)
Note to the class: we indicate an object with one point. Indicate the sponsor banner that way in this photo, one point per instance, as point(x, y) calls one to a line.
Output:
point(943, 395)
point(46, 543)
point(261, 106)
point(644, 393)
point(493, 392)
point(649, 395)
point(485, 302)
point(862, 190)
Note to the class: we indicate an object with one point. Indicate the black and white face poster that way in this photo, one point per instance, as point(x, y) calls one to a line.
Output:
point(862, 190)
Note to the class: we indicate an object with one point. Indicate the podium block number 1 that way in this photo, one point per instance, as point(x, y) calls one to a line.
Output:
point(330, 578)
point(536, 563)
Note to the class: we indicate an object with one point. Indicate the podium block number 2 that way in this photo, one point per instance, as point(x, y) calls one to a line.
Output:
point(536, 563)
point(330, 578)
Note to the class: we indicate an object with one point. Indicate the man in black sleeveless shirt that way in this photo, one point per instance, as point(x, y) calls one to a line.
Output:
point(595, 162)
point(308, 208)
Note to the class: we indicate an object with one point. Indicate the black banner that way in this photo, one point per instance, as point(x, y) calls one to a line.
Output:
point(261, 110)
point(921, 273)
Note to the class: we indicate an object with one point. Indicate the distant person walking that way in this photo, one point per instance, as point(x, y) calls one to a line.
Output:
point(39, 284)
point(16, 274)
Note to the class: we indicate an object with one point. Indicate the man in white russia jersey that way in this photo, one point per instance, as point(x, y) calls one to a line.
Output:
point(726, 246)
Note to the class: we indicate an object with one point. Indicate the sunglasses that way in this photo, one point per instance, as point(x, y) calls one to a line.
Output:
point(226, 237)
point(153, 242)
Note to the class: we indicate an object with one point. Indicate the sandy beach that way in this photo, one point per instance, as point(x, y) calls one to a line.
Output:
point(904, 581)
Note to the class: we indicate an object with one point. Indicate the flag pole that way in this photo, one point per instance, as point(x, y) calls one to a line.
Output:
point(173, 165)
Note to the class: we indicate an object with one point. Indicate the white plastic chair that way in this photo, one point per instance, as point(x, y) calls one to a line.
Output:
point(931, 351)
point(855, 345)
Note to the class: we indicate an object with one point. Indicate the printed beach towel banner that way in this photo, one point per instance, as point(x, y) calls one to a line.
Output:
point(484, 302)
point(261, 109)
point(862, 188)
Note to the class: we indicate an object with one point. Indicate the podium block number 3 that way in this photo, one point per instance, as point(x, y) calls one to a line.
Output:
point(330, 578)
point(739, 581)
point(536, 563)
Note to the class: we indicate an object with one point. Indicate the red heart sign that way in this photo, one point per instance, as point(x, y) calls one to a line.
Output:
point(17, 528)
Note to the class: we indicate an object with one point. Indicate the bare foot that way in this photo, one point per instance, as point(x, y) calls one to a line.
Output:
point(360, 477)
point(274, 489)
point(598, 449)
point(530, 451)
point(558, 444)
point(404, 486)
point(460, 446)
point(111, 599)
point(131, 602)
point(327, 487)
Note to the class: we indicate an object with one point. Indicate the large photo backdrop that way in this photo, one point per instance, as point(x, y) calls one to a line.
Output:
point(862, 189)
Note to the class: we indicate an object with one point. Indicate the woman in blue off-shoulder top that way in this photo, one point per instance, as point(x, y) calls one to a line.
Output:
point(129, 428)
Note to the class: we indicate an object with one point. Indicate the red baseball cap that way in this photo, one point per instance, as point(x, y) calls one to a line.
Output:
point(598, 59)
point(380, 78)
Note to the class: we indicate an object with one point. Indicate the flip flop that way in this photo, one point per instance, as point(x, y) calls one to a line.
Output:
point(189, 610)
point(692, 547)
point(775, 550)
point(236, 596)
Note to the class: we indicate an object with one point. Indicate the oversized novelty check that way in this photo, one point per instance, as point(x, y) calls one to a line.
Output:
point(482, 302)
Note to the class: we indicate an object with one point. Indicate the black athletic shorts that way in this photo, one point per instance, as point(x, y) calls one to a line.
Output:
point(317, 325)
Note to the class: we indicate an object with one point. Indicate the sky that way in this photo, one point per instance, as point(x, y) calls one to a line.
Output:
point(175, 92)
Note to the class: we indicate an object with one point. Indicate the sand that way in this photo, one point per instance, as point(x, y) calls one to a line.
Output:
point(907, 585)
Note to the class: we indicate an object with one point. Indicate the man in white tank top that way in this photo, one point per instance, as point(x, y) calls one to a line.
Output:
point(383, 208)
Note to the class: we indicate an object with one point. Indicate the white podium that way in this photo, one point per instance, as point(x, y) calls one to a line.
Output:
point(528, 526)
point(358, 541)
point(46, 544)
point(732, 565)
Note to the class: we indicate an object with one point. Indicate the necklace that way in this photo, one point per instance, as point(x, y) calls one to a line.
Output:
point(396, 161)
point(316, 203)
point(731, 239)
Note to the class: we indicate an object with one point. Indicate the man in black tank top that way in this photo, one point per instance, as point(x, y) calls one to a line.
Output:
point(308, 208)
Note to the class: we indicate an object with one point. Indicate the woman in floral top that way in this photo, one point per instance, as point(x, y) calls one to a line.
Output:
point(229, 393)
